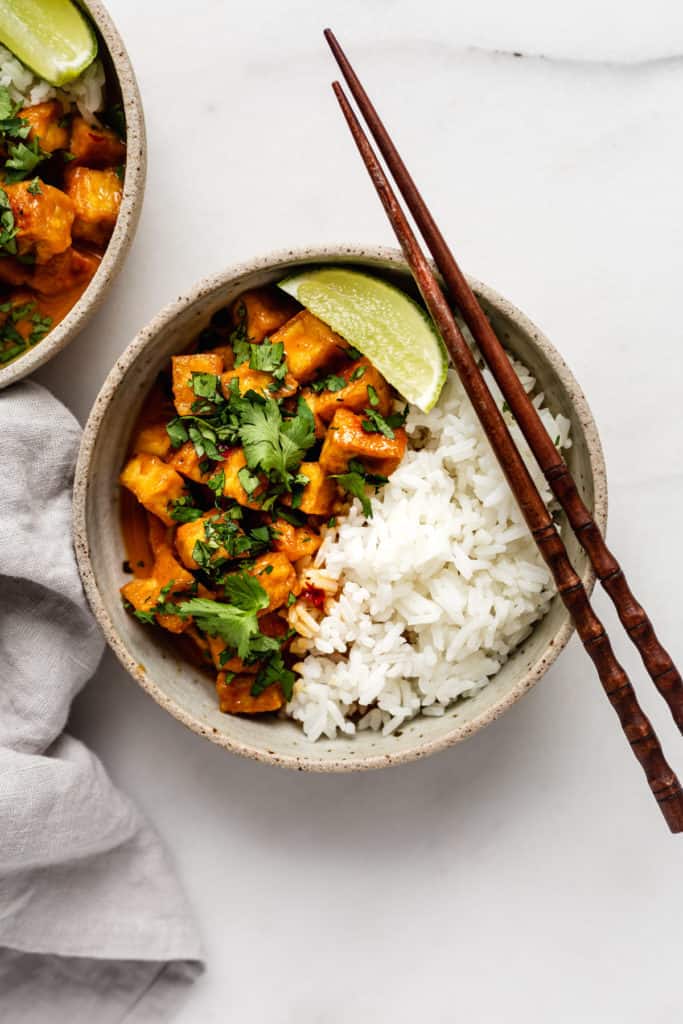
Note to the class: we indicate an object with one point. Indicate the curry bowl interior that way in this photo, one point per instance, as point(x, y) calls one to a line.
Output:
point(184, 690)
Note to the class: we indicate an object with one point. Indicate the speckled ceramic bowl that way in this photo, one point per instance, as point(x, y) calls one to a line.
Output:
point(122, 78)
point(184, 691)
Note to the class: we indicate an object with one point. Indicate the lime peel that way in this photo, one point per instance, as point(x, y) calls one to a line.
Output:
point(383, 323)
point(51, 37)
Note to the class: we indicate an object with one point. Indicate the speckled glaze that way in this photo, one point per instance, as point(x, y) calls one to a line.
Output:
point(184, 691)
point(133, 191)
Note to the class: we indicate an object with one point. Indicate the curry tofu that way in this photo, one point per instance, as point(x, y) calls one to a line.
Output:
point(244, 452)
point(60, 192)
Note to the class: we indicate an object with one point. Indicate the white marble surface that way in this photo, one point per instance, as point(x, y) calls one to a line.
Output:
point(524, 876)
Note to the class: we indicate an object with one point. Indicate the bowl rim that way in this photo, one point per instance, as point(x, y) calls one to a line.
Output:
point(128, 216)
point(308, 761)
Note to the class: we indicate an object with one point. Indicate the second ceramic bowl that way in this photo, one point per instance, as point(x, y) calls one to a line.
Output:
point(124, 89)
point(187, 693)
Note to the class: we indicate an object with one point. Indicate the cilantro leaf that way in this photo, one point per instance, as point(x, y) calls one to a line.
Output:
point(177, 432)
point(34, 188)
point(236, 622)
point(354, 483)
point(206, 385)
point(273, 445)
point(8, 227)
point(23, 160)
point(373, 397)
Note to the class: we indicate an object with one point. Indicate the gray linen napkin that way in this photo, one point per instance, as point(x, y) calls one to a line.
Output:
point(93, 925)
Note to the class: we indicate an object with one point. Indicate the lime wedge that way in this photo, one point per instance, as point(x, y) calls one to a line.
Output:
point(52, 37)
point(383, 323)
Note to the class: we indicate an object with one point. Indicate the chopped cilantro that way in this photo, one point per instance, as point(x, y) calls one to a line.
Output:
point(329, 383)
point(183, 511)
point(375, 423)
point(34, 188)
point(291, 599)
point(358, 372)
point(206, 385)
point(293, 518)
point(274, 671)
point(8, 227)
point(355, 481)
point(23, 160)
point(352, 352)
point(373, 397)
point(41, 326)
point(268, 357)
point(146, 617)
point(217, 482)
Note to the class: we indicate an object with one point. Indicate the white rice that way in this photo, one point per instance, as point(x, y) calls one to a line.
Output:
point(437, 588)
point(87, 91)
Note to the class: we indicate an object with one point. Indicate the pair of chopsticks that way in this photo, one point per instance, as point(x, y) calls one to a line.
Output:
point(639, 732)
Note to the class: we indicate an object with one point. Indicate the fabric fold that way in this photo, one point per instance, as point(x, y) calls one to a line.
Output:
point(93, 924)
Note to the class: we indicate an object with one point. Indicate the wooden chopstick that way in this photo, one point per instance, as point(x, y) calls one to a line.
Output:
point(638, 730)
point(656, 659)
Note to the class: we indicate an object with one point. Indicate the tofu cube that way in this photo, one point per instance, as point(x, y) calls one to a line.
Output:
point(183, 368)
point(186, 461)
point(153, 439)
point(262, 311)
point(319, 494)
point(145, 594)
point(310, 346)
point(70, 269)
point(276, 574)
point(95, 147)
point(347, 440)
point(234, 698)
point(153, 483)
point(96, 195)
point(354, 395)
point(44, 119)
point(43, 220)
point(294, 541)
